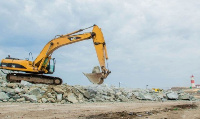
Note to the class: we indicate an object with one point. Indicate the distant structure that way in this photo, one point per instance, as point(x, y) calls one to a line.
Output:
point(192, 82)
point(197, 86)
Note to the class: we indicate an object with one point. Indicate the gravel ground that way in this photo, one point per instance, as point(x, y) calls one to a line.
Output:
point(125, 110)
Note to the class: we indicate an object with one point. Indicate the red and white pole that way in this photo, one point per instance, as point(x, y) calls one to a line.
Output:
point(192, 82)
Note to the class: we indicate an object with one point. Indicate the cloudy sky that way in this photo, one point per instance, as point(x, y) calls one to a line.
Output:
point(149, 42)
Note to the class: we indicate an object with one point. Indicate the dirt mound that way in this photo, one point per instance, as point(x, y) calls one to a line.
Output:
point(186, 106)
point(132, 115)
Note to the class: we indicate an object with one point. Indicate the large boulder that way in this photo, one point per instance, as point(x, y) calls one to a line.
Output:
point(18, 90)
point(44, 100)
point(2, 79)
point(129, 95)
point(59, 97)
point(71, 98)
point(12, 85)
point(7, 90)
point(26, 83)
point(142, 95)
point(80, 97)
point(160, 95)
point(85, 93)
point(49, 95)
point(3, 96)
point(172, 95)
point(16, 97)
point(52, 100)
point(31, 98)
point(123, 98)
point(98, 99)
point(58, 90)
point(145, 96)
point(75, 91)
point(3, 84)
point(37, 92)
point(184, 97)
point(21, 99)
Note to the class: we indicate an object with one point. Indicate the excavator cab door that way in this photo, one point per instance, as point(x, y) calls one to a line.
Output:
point(51, 66)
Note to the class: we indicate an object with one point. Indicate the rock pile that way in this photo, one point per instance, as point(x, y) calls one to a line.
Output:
point(40, 93)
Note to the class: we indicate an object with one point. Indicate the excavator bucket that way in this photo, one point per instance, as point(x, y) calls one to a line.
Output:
point(96, 76)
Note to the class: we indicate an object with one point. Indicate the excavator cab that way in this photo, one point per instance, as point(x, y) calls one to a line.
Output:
point(51, 66)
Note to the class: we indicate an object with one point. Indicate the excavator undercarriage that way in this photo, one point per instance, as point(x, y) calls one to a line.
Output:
point(33, 78)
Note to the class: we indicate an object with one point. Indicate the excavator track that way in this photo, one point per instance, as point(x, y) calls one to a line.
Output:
point(33, 78)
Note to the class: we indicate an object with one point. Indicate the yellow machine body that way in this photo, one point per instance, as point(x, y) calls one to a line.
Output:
point(41, 65)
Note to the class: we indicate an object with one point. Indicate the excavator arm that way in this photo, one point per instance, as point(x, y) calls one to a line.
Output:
point(98, 76)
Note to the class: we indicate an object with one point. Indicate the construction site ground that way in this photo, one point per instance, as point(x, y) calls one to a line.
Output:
point(116, 110)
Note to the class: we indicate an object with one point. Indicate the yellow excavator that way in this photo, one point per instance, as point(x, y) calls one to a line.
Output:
point(32, 71)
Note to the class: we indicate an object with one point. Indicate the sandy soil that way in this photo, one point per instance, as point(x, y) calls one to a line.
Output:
point(125, 110)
